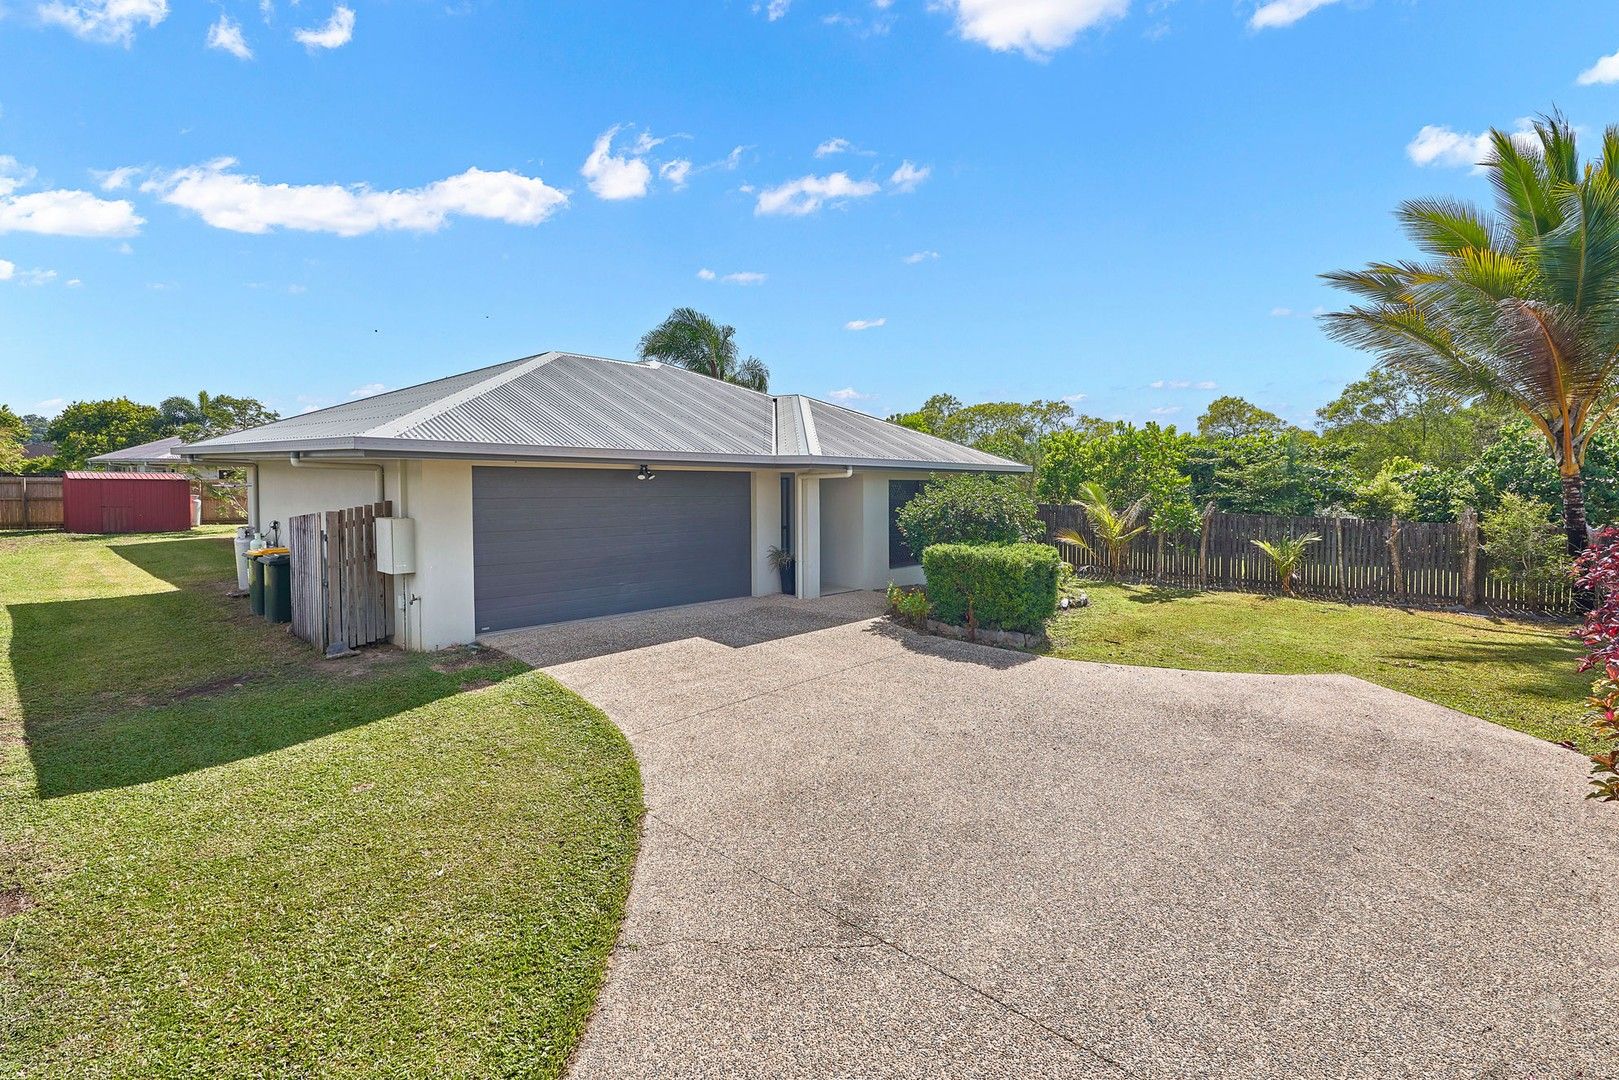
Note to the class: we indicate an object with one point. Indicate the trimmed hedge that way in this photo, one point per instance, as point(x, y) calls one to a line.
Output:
point(1004, 586)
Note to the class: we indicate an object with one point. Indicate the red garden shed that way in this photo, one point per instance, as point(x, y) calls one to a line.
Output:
point(122, 502)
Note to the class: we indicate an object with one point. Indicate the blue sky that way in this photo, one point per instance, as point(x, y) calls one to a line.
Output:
point(1127, 200)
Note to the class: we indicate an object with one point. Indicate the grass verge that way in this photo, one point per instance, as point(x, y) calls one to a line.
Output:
point(221, 856)
point(1515, 673)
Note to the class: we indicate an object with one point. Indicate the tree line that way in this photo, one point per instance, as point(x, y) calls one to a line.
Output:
point(85, 429)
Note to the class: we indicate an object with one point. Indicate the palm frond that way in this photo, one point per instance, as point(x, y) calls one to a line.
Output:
point(1442, 226)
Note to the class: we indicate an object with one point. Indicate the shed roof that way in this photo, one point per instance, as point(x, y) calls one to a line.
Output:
point(102, 474)
point(563, 406)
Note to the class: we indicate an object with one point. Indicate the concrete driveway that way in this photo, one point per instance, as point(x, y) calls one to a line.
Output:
point(874, 854)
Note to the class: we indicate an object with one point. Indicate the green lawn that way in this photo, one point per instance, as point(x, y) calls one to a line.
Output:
point(221, 856)
point(1518, 674)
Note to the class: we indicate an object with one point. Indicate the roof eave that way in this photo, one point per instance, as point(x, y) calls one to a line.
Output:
point(420, 448)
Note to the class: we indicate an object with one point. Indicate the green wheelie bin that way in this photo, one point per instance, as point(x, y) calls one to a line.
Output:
point(277, 587)
point(255, 583)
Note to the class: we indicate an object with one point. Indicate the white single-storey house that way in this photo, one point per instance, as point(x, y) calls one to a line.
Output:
point(562, 487)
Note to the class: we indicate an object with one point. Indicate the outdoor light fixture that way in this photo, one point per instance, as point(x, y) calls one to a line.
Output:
point(646, 474)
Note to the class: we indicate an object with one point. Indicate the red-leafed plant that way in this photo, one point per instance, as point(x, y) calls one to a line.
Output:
point(1597, 570)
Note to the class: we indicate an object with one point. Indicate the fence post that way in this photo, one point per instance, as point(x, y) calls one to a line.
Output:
point(1341, 556)
point(1203, 547)
point(26, 523)
point(1394, 558)
point(1468, 523)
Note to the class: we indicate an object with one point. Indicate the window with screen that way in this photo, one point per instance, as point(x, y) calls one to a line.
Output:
point(900, 492)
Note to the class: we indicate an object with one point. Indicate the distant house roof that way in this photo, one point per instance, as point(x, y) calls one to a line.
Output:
point(157, 450)
point(562, 406)
point(38, 449)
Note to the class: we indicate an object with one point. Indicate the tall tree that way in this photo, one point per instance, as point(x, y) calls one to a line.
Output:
point(13, 433)
point(87, 428)
point(692, 340)
point(1388, 414)
point(1232, 417)
point(1521, 307)
point(211, 414)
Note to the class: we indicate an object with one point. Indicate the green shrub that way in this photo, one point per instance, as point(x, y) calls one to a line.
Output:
point(909, 606)
point(1523, 544)
point(999, 586)
point(969, 508)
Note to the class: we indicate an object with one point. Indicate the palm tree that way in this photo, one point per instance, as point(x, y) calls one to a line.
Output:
point(690, 339)
point(1520, 308)
point(1114, 529)
point(1286, 555)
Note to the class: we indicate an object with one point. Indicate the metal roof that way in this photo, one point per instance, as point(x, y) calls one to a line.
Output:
point(102, 474)
point(157, 450)
point(563, 406)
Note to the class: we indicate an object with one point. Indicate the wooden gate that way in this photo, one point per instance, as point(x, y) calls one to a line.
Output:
point(30, 502)
point(339, 600)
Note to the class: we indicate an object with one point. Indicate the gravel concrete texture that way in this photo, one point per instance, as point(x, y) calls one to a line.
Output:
point(873, 853)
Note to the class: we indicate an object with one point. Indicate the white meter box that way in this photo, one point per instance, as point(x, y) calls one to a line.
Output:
point(396, 545)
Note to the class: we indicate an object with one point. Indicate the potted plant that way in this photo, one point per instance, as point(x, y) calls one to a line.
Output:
point(782, 563)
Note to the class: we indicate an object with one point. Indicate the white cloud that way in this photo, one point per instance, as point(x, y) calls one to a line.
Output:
point(110, 22)
point(920, 256)
point(847, 394)
point(806, 194)
point(864, 324)
point(773, 9)
point(1170, 384)
point(48, 406)
point(29, 277)
point(1279, 13)
point(73, 283)
point(1074, 399)
point(1166, 410)
point(125, 248)
point(226, 34)
point(338, 31)
point(370, 389)
point(907, 177)
point(1604, 71)
point(115, 179)
point(1437, 145)
point(13, 174)
point(241, 203)
point(1207, 384)
point(60, 212)
point(615, 177)
point(1035, 28)
point(745, 277)
point(1280, 312)
point(7, 269)
point(840, 146)
point(705, 274)
point(675, 172)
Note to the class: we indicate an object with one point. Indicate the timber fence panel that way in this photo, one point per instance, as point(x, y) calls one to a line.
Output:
point(1428, 563)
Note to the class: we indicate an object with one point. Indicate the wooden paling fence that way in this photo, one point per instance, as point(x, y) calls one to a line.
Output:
point(30, 502)
point(222, 504)
point(339, 600)
point(1421, 563)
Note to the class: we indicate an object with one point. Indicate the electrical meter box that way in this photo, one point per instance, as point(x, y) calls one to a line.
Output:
point(396, 545)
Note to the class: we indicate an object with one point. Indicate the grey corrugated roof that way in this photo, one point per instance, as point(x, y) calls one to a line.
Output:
point(563, 406)
point(156, 450)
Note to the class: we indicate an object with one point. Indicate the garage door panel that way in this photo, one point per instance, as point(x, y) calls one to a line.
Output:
point(557, 544)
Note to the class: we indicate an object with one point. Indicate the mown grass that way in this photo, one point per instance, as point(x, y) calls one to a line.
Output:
point(1516, 673)
point(220, 856)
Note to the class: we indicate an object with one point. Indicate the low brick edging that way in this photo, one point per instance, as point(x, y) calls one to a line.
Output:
point(1005, 639)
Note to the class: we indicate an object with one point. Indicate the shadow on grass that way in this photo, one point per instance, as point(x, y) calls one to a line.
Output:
point(1160, 594)
point(125, 690)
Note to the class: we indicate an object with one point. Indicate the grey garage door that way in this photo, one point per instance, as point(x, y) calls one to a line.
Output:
point(556, 544)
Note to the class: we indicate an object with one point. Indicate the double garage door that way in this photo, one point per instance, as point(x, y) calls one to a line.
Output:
point(555, 544)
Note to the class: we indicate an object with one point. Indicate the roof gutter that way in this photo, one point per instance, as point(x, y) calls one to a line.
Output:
point(296, 460)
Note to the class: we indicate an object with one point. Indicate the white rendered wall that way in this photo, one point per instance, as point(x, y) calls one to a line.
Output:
point(807, 536)
point(285, 490)
point(438, 597)
point(766, 531)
